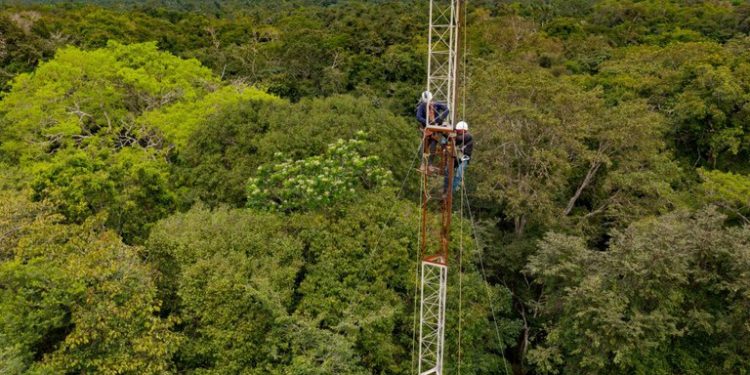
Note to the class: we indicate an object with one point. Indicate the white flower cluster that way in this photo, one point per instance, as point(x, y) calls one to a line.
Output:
point(317, 181)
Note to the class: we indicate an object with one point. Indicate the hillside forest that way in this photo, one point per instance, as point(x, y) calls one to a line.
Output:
point(229, 187)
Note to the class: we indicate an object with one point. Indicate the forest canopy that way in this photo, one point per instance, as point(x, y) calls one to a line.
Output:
point(229, 187)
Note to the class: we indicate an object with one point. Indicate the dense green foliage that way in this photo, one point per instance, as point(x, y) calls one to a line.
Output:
point(75, 299)
point(216, 187)
point(110, 120)
point(318, 181)
point(662, 300)
point(302, 294)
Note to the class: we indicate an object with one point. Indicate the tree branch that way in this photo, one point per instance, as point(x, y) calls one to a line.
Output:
point(585, 183)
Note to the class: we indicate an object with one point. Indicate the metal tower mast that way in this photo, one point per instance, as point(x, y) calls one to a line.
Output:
point(435, 231)
point(442, 62)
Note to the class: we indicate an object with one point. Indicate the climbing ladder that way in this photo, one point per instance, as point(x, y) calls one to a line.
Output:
point(437, 187)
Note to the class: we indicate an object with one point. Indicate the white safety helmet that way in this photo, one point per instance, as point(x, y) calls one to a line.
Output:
point(426, 96)
point(462, 126)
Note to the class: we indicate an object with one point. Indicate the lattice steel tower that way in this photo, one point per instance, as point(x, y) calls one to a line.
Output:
point(435, 229)
point(442, 63)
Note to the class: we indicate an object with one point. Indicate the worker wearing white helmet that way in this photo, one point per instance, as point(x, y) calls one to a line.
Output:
point(465, 146)
point(432, 112)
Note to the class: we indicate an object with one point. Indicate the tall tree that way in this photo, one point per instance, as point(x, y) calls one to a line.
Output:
point(669, 296)
point(74, 298)
point(95, 130)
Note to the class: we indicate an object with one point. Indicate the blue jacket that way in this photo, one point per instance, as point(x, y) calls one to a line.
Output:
point(441, 112)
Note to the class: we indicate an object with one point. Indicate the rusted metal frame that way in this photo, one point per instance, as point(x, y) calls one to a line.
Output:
point(425, 194)
point(449, 159)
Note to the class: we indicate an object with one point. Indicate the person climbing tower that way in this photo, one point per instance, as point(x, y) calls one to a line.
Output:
point(465, 146)
point(430, 113)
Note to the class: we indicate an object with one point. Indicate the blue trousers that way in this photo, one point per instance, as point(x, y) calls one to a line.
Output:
point(457, 177)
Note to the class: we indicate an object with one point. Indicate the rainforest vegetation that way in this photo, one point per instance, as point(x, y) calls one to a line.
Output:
point(226, 187)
